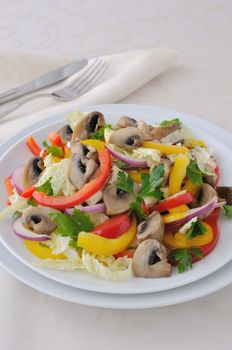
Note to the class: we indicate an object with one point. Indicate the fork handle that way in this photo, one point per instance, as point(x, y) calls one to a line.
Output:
point(15, 105)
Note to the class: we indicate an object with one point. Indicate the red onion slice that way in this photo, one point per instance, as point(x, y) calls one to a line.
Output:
point(17, 179)
point(192, 213)
point(96, 208)
point(24, 233)
point(135, 163)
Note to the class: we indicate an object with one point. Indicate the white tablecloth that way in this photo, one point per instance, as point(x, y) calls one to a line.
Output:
point(200, 85)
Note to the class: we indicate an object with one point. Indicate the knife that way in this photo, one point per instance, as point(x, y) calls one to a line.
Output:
point(43, 81)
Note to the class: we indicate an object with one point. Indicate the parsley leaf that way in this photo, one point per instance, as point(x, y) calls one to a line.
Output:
point(100, 134)
point(53, 150)
point(17, 214)
point(228, 211)
point(148, 188)
point(196, 229)
point(194, 173)
point(32, 202)
point(71, 225)
point(121, 165)
point(183, 258)
point(46, 188)
point(171, 121)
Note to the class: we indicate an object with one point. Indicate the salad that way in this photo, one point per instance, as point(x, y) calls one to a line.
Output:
point(117, 200)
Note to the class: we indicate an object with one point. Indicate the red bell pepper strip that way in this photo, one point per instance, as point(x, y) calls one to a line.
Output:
point(217, 173)
point(33, 147)
point(114, 227)
point(173, 201)
point(129, 253)
point(55, 139)
point(27, 193)
point(212, 220)
point(89, 189)
point(8, 186)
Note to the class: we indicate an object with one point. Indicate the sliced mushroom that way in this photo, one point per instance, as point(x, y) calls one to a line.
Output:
point(124, 122)
point(88, 125)
point(153, 228)
point(37, 219)
point(203, 196)
point(83, 150)
point(81, 169)
point(159, 131)
point(150, 260)
point(145, 131)
point(210, 179)
point(167, 169)
point(32, 171)
point(225, 192)
point(65, 133)
point(116, 201)
point(129, 138)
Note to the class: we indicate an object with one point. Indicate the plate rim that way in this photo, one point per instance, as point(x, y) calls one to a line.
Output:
point(16, 138)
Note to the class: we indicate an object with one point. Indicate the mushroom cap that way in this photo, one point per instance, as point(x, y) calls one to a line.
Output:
point(145, 131)
point(37, 219)
point(88, 125)
point(152, 228)
point(203, 196)
point(81, 169)
point(125, 121)
point(159, 131)
point(167, 169)
point(129, 138)
point(150, 260)
point(65, 133)
point(116, 201)
point(83, 150)
point(32, 171)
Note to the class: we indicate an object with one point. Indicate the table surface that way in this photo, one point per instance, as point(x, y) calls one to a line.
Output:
point(200, 85)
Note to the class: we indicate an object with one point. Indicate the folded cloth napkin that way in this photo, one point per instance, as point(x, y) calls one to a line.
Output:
point(126, 73)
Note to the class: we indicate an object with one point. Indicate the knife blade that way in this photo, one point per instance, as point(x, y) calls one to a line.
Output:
point(43, 81)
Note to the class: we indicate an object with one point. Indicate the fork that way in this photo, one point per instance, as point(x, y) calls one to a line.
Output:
point(76, 88)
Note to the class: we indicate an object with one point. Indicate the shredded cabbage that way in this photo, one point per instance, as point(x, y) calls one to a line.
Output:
point(188, 225)
point(18, 203)
point(58, 172)
point(204, 160)
point(73, 118)
point(107, 267)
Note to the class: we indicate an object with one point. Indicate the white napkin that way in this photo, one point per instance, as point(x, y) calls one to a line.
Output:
point(126, 73)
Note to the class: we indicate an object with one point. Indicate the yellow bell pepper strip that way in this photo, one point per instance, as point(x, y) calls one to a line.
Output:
point(41, 251)
point(99, 145)
point(180, 240)
point(180, 209)
point(106, 246)
point(190, 187)
point(197, 241)
point(136, 174)
point(166, 149)
point(173, 217)
point(191, 143)
point(178, 173)
point(89, 189)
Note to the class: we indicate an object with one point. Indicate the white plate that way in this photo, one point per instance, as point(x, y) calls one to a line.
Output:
point(18, 154)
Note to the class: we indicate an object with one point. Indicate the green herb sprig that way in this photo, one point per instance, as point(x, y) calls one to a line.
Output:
point(149, 188)
point(71, 225)
point(194, 173)
point(183, 258)
point(197, 229)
